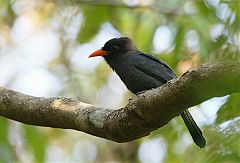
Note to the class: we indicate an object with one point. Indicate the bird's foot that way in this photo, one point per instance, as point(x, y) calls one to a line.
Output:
point(141, 92)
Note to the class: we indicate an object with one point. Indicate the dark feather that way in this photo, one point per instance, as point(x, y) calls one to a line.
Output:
point(153, 67)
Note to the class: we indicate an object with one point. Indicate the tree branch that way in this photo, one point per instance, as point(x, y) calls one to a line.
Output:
point(119, 4)
point(106, 3)
point(143, 114)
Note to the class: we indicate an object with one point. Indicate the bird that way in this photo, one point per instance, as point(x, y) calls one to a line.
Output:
point(140, 72)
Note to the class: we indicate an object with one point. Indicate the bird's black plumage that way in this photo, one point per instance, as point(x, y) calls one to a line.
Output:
point(141, 72)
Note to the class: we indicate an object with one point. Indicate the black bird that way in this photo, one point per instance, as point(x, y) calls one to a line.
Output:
point(140, 72)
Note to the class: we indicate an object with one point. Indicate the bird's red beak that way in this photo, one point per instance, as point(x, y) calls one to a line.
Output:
point(99, 52)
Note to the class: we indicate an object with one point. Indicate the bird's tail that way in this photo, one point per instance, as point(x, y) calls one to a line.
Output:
point(193, 128)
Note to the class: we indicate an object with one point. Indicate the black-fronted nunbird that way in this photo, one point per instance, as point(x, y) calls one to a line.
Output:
point(141, 72)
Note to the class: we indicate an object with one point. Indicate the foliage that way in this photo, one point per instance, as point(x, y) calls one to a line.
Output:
point(185, 34)
point(229, 110)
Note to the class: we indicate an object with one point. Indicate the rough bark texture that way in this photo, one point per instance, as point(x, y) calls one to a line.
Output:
point(145, 113)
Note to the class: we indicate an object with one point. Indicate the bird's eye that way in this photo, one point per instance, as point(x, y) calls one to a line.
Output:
point(115, 47)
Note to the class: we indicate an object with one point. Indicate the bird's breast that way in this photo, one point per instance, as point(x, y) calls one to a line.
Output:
point(136, 80)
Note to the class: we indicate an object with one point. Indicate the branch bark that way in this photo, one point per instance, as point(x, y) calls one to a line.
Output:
point(145, 113)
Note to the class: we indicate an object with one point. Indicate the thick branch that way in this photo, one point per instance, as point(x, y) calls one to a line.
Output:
point(119, 4)
point(143, 114)
point(107, 3)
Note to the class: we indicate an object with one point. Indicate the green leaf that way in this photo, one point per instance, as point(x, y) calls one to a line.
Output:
point(5, 148)
point(179, 49)
point(145, 32)
point(94, 17)
point(4, 130)
point(36, 141)
point(230, 109)
point(7, 14)
point(124, 20)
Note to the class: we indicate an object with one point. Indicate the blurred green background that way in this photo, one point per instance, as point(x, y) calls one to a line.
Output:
point(44, 45)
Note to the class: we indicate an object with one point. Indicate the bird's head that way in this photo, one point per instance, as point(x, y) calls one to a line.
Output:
point(115, 46)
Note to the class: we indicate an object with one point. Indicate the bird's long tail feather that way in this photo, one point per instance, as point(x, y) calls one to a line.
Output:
point(193, 128)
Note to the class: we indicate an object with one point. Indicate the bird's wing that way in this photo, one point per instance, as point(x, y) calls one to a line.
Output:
point(153, 66)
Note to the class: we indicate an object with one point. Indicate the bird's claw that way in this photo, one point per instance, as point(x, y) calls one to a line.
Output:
point(141, 92)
